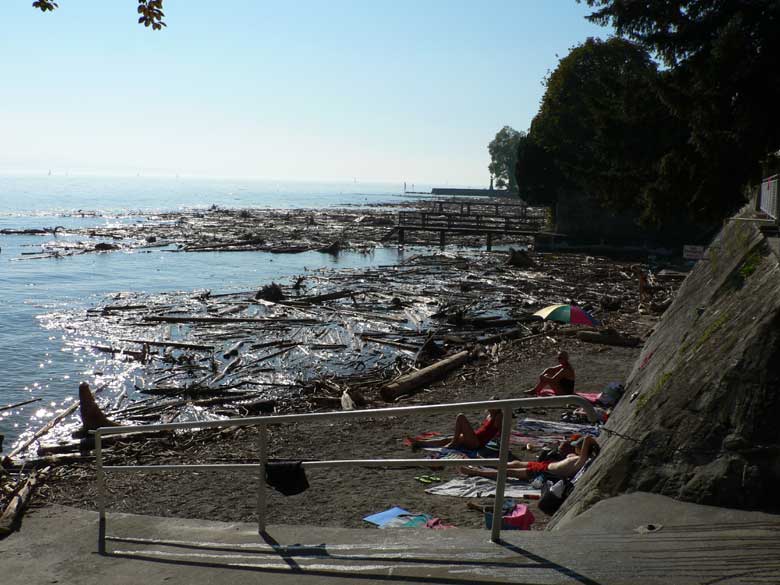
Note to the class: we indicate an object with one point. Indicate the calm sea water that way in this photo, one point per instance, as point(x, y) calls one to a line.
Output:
point(34, 360)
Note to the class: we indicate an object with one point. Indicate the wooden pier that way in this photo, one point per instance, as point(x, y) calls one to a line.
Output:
point(448, 217)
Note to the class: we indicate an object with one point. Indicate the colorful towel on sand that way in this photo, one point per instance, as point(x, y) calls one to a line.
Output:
point(547, 433)
point(534, 427)
point(417, 521)
point(592, 397)
point(482, 487)
point(421, 437)
point(447, 453)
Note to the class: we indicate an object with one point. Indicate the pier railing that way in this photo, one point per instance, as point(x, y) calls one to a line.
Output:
point(469, 206)
point(262, 423)
point(470, 221)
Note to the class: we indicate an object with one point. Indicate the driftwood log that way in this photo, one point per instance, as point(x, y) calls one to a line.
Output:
point(18, 404)
point(411, 382)
point(42, 431)
point(608, 338)
point(13, 512)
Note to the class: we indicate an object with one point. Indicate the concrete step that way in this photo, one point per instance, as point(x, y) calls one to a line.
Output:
point(59, 545)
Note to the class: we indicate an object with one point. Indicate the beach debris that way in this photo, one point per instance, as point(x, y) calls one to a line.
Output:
point(17, 405)
point(270, 292)
point(278, 231)
point(92, 416)
point(608, 337)
point(410, 382)
point(357, 336)
point(20, 498)
point(520, 259)
point(333, 248)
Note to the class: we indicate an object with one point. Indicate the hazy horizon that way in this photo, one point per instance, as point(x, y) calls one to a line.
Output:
point(381, 92)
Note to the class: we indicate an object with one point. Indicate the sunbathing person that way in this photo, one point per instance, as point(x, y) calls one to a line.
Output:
point(560, 378)
point(566, 468)
point(464, 436)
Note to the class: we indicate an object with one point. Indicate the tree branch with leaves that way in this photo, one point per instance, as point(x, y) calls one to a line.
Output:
point(150, 11)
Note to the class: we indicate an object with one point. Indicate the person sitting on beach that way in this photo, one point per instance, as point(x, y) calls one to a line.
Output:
point(559, 379)
point(464, 436)
point(566, 468)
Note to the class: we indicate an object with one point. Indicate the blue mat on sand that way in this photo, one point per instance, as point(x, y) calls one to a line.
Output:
point(382, 518)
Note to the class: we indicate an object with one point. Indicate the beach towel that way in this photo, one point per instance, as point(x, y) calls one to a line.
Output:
point(421, 437)
point(416, 521)
point(592, 397)
point(382, 518)
point(520, 440)
point(408, 521)
point(546, 433)
point(447, 453)
point(533, 427)
point(482, 487)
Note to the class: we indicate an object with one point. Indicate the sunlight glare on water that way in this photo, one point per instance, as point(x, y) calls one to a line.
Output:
point(41, 357)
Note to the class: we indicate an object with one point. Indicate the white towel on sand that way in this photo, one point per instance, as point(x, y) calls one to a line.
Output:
point(482, 487)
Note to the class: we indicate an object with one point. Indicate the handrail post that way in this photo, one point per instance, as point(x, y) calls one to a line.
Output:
point(261, 485)
point(498, 505)
point(101, 493)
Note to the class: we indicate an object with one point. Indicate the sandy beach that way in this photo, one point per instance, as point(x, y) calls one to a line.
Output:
point(336, 497)
point(352, 331)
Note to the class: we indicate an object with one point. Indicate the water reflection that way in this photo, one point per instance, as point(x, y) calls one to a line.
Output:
point(43, 363)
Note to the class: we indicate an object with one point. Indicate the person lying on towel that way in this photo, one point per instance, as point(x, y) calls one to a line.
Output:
point(464, 436)
point(556, 380)
point(584, 448)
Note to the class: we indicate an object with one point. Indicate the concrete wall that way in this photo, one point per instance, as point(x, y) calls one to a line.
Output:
point(701, 414)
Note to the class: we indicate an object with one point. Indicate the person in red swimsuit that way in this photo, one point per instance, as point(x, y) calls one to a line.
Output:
point(559, 379)
point(464, 436)
point(584, 448)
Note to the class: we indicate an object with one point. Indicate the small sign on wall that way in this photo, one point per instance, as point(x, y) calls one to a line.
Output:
point(693, 252)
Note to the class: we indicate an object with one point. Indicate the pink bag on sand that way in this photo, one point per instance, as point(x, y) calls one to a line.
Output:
point(520, 518)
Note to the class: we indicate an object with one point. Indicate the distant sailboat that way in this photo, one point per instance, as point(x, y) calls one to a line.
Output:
point(50, 172)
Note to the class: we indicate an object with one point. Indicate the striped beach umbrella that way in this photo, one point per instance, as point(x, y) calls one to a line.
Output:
point(566, 314)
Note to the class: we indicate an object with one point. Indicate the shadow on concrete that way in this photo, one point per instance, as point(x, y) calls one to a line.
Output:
point(289, 553)
point(559, 568)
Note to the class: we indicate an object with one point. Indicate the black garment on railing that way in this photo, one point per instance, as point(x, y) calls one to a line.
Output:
point(286, 477)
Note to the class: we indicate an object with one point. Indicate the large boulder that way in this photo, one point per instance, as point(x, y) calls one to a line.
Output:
point(700, 420)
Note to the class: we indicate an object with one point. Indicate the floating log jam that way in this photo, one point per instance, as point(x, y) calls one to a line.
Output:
point(410, 382)
point(194, 319)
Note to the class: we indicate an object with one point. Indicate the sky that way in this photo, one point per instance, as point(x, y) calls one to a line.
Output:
point(369, 90)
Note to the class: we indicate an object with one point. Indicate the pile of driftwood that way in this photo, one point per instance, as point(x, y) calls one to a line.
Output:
point(332, 338)
point(241, 230)
point(16, 490)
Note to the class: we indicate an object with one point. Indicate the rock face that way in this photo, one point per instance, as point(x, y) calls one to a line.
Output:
point(700, 420)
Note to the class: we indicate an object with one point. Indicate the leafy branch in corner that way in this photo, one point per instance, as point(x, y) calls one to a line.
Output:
point(44, 5)
point(151, 11)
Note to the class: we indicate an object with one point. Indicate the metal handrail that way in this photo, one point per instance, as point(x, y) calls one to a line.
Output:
point(768, 197)
point(262, 423)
